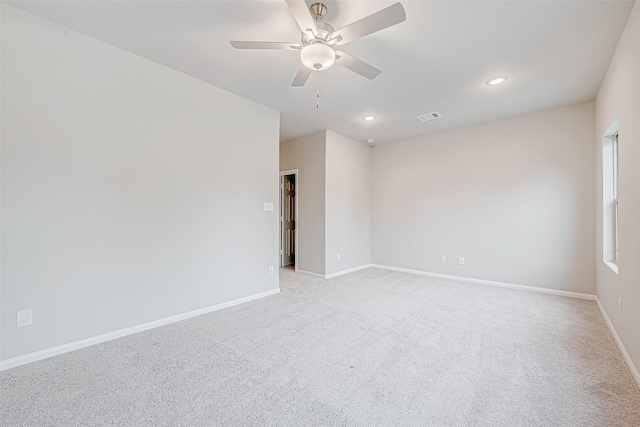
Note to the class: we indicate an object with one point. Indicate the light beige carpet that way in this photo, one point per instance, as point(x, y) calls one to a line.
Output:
point(371, 348)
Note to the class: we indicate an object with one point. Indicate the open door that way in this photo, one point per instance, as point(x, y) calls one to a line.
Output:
point(288, 233)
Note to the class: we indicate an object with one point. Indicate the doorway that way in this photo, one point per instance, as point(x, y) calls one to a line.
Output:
point(289, 219)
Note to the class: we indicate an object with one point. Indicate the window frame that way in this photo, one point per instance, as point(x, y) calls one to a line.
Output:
point(615, 197)
point(610, 197)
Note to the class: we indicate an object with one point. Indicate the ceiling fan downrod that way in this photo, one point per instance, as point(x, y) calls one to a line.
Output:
point(318, 11)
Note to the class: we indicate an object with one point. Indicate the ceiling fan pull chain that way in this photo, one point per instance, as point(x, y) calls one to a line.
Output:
point(318, 88)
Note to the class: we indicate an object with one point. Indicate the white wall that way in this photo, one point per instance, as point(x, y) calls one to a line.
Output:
point(619, 98)
point(333, 193)
point(348, 205)
point(307, 154)
point(513, 197)
point(130, 192)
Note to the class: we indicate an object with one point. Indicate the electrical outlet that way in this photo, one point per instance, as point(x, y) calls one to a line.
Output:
point(24, 318)
point(443, 258)
point(461, 260)
point(619, 305)
point(338, 257)
point(271, 269)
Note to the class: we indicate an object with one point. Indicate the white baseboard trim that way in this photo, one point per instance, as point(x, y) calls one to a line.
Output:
point(490, 283)
point(623, 350)
point(309, 273)
point(336, 274)
point(65, 348)
point(343, 272)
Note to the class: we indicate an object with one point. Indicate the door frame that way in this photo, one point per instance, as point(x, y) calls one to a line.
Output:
point(295, 173)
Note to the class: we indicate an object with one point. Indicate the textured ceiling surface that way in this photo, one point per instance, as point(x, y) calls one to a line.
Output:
point(554, 52)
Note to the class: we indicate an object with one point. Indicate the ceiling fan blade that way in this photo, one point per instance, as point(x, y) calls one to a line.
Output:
point(302, 76)
point(301, 14)
point(265, 45)
point(380, 20)
point(357, 66)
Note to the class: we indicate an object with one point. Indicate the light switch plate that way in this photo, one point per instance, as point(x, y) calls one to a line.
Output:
point(268, 206)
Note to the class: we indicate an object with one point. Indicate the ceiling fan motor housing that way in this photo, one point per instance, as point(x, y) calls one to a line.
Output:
point(323, 35)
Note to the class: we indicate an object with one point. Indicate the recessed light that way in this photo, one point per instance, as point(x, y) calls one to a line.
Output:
point(496, 80)
point(369, 118)
point(370, 141)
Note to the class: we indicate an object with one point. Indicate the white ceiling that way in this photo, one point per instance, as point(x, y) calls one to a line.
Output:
point(554, 52)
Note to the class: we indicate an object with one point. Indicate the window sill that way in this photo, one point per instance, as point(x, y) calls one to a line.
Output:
point(613, 266)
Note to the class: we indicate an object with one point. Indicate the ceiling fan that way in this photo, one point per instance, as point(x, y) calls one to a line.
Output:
point(319, 39)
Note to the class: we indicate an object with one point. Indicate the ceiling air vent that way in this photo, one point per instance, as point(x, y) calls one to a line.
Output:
point(430, 116)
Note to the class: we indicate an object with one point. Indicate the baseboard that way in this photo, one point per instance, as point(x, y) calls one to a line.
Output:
point(623, 350)
point(309, 273)
point(65, 348)
point(336, 274)
point(343, 272)
point(490, 283)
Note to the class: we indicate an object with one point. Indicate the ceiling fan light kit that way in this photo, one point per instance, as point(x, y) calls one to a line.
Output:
point(317, 56)
point(318, 39)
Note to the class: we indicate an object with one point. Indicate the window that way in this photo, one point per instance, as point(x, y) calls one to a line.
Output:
point(610, 201)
